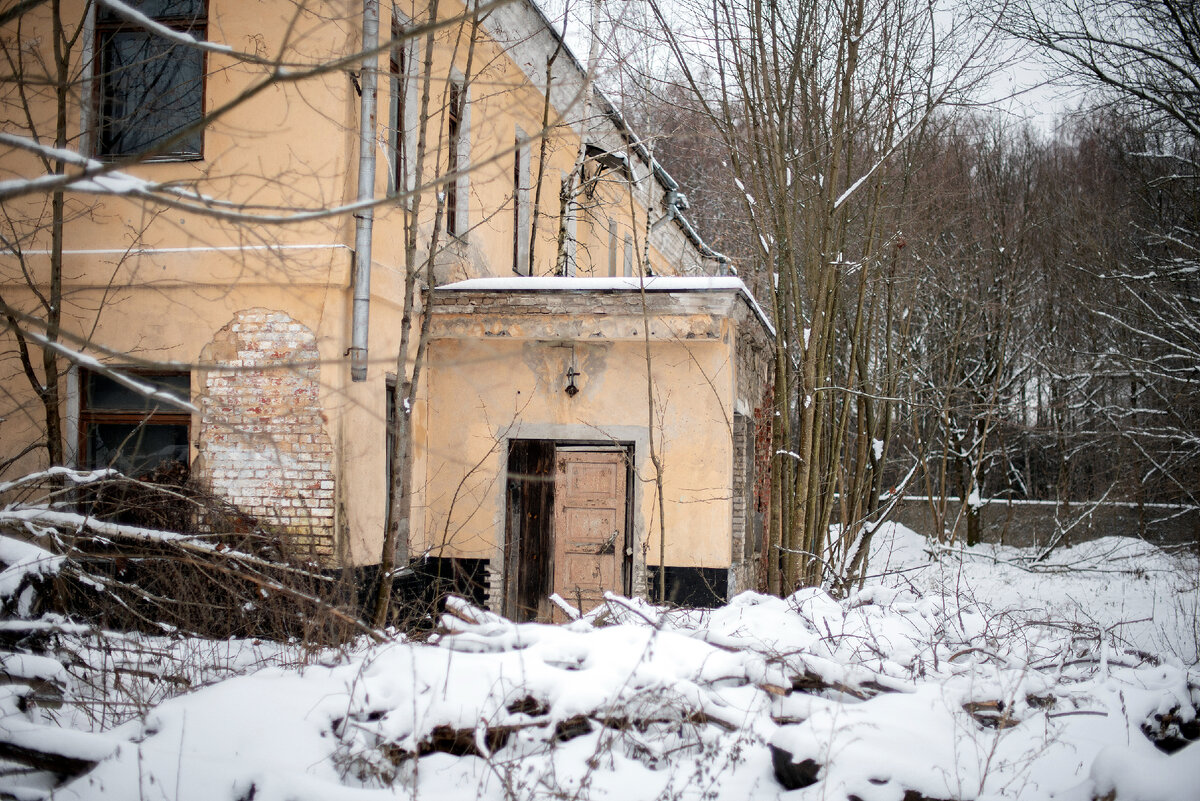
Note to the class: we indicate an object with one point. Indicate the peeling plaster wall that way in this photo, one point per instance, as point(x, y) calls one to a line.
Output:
point(263, 442)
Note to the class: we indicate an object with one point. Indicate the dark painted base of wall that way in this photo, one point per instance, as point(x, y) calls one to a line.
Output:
point(703, 587)
point(418, 593)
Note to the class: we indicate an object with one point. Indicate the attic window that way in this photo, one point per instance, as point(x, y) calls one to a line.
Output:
point(150, 88)
point(608, 160)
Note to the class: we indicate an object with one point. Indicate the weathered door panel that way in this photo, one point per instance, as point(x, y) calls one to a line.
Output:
point(589, 525)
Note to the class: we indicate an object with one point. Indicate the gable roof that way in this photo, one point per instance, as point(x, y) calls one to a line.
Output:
point(513, 14)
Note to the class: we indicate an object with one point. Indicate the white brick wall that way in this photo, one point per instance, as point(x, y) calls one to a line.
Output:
point(263, 443)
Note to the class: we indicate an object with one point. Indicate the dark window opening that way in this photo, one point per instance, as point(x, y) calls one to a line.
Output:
point(517, 207)
point(150, 88)
point(520, 262)
point(137, 435)
point(453, 136)
point(396, 70)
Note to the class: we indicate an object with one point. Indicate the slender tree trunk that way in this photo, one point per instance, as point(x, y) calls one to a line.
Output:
point(536, 215)
point(398, 523)
point(50, 363)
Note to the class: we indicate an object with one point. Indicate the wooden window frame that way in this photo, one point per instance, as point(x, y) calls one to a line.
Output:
point(155, 416)
point(105, 28)
point(397, 72)
point(454, 122)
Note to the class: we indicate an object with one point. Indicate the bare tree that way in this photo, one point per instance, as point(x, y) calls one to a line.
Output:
point(1141, 51)
point(1141, 59)
point(817, 106)
point(976, 274)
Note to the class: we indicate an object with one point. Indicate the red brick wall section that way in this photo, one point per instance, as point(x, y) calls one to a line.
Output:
point(263, 443)
point(755, 377)
point(764, 419)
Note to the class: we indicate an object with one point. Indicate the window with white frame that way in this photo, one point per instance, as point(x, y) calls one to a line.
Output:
point(397, 70)
point(402, 109)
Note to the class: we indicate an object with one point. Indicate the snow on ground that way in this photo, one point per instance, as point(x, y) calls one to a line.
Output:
point(953, 674)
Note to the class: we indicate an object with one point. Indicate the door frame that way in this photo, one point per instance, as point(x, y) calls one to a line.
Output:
point(515, 581)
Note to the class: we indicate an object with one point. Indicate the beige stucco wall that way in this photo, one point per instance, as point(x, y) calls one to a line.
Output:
point(499, 366)
point(149, 283)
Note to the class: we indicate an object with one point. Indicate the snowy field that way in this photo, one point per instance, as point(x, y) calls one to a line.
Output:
point(954, 674)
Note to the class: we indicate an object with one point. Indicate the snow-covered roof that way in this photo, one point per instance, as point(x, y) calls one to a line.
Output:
point(657, 283)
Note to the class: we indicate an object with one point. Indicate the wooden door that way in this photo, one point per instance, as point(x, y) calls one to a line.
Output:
point(589, 525)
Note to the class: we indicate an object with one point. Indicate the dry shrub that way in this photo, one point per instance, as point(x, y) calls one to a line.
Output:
point(168, 556)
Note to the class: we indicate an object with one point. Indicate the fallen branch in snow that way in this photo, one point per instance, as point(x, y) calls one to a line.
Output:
point(976, 649)
point(63, 766)
point(467, 741)
point(812, 683)
point(571, 612)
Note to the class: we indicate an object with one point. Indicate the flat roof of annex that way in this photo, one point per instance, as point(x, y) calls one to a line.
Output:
point(609, 285)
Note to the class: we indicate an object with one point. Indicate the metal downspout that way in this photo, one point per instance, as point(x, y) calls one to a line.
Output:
point(364, 218)
point(672, 210)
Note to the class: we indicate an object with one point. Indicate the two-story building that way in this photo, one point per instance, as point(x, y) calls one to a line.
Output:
point(593, 401)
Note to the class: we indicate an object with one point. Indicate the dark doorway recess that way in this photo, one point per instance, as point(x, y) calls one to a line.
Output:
point(567, 524)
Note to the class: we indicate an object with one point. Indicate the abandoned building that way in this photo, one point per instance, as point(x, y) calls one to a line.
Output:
point(594, 402)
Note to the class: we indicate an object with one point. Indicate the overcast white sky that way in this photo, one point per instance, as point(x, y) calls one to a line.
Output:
point(1021, 90)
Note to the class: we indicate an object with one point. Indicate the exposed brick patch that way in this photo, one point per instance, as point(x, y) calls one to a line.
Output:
point(764, 419)
point(743, 478)
point(263, 443)
point(755, 376)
